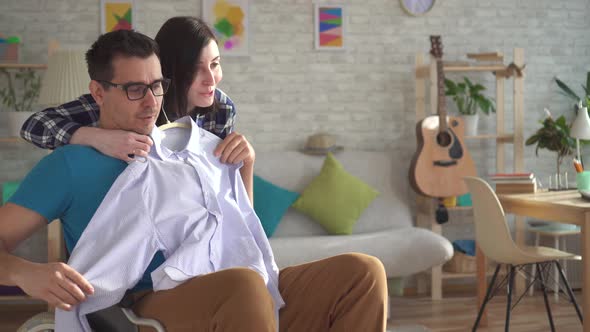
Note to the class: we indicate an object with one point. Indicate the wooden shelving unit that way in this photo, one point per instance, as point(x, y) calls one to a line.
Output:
point(426, 73)
point(22, 66)
point(11, 140)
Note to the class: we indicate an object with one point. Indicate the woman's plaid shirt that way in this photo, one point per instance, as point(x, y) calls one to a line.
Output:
point(54, 127)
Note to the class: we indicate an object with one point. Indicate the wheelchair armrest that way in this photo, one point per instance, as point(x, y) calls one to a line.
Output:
point(119, 319)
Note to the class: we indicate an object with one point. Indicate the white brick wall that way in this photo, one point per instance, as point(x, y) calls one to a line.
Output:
point(285, 90)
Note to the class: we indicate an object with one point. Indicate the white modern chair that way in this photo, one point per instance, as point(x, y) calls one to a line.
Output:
point(555, 231)
point(493, 237)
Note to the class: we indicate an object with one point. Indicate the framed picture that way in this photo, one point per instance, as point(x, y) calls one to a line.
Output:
point(229, 21)
point(330, 27)
point(116, 15)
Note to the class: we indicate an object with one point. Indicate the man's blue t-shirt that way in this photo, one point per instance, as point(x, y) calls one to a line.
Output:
point(69, 184)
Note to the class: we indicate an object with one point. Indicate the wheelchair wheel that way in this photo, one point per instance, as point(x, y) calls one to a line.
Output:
point(42, 322)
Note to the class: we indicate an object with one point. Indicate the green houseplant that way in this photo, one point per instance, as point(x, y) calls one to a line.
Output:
point(469, 99)
point(554, 135)
point(568, 92)
point(29, 83)
point(18, 97)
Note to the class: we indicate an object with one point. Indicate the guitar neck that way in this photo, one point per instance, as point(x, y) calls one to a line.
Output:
point(442, 106)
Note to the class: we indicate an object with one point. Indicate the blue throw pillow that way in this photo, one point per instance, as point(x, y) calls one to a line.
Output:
point(270, 203)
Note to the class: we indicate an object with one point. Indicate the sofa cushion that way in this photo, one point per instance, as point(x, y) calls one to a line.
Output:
point(403, 251)
point(387, 172)
point(335, 198)
point(270, 203)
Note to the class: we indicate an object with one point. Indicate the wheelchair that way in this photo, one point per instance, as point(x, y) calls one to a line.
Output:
point(117, 318)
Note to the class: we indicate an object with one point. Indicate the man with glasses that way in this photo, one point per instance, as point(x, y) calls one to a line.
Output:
point(346, 292)
point(70, 183)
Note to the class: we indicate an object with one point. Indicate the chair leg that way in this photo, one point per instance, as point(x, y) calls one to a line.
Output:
point(569, 291)
point(545, 297)
point(556, 274)
point(533, 268)
point(509, 299)
point(486, 298)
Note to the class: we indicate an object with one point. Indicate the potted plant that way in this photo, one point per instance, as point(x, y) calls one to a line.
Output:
point(554, 135)
point(19, 105)
point(469, 98)
point(568, 92)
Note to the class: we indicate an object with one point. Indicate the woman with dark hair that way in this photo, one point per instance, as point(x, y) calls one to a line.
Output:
point(189, 56)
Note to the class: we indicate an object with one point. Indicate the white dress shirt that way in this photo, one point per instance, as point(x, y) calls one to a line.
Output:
point(182, 201)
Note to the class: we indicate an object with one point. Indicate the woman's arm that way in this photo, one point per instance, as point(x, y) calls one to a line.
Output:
point(235, 148)
point(55, 126)
point(75, 123)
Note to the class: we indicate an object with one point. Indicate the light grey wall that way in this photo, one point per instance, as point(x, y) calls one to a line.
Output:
point(285, 90)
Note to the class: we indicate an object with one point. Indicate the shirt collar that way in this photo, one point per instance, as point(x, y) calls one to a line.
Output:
point(193, 145)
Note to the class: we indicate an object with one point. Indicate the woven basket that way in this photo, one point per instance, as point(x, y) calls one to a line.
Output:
point(460, 263)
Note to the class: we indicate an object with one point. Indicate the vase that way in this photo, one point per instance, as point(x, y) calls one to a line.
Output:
point(15, 121)
point(470, 122)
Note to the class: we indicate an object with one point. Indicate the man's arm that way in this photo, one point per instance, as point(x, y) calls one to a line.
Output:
point(56, 283)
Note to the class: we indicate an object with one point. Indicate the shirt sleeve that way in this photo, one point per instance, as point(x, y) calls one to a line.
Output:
point(226, 115)
point(54, 127)
point(47, 188)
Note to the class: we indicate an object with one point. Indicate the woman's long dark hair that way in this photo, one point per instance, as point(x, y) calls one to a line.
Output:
point(181, 40)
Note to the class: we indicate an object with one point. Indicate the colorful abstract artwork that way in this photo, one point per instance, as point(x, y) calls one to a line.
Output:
point(229, 21)
point(116, 15)
point(329, 27)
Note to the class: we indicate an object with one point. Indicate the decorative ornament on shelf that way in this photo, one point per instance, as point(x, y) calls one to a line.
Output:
point(417, 7)
point(321, 144)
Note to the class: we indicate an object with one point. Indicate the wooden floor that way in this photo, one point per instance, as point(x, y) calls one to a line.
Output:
point(453, 314)
point(458, 313)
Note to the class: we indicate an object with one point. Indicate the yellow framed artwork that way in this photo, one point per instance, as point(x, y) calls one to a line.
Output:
point(116, 15)
point(229, 21)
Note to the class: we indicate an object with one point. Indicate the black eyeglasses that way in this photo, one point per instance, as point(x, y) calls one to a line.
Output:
point(136, 91)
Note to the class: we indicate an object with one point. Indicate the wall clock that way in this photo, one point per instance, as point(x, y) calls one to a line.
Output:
point(417, 7)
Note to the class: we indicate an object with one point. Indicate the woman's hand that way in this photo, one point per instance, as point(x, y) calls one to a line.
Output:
point(120, 144)
point(234, 149)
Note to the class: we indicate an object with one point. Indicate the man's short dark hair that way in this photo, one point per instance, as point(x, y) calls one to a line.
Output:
point(125, 43)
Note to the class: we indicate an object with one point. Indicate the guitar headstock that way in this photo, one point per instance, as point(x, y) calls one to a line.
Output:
point(436, 48)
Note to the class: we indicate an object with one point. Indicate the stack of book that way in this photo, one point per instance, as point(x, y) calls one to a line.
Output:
point(513, 183)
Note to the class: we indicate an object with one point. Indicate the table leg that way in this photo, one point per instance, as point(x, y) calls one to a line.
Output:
point(482, 284)
point(586, 272)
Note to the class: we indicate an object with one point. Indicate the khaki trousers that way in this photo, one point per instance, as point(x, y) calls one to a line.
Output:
point(341, 293)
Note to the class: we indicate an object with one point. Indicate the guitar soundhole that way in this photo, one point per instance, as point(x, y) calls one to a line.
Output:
point(443, 139)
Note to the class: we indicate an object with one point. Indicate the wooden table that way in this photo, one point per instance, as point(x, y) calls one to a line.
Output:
point(559, 206)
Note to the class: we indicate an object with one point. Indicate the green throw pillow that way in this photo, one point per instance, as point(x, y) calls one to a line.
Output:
point(9, 188)
point(270, 203)
point(335, 198)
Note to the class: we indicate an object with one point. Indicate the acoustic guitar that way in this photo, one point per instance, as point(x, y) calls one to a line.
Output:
point(441, 159)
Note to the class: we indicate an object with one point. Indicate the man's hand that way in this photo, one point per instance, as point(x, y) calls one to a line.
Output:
point(56, 283)
point(120, 144)
point(235, 149)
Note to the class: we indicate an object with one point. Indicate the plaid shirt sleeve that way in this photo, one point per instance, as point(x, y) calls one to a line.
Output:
point(220, 123)
point(54, 127)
